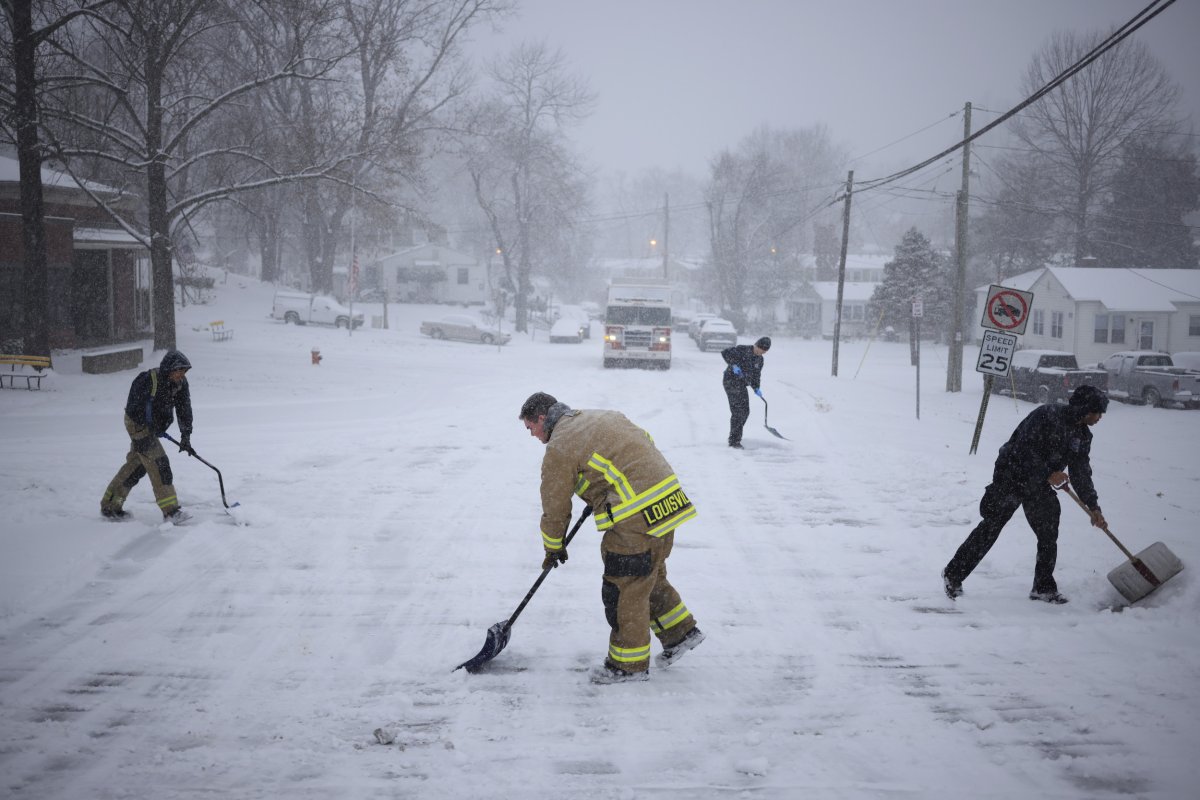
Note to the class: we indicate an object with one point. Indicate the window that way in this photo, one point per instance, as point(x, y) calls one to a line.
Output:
point(856, 312)
point(1110, 328)
point(1194, 325)
point(1056, 324)
point(1039, 322)
point(464, 276)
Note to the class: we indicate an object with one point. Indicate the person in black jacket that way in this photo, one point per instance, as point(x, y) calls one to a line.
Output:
point(1031, 465)
point(155, 396)
point(745, 369)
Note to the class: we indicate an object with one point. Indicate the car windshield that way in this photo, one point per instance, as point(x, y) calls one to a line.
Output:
point(1156, 361)
point(635, 315)
point(1062, 362)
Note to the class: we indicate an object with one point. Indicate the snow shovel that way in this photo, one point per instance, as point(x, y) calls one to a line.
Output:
point(497, 635)
point(1142, 573)
point(220, 482)
point(765, 425)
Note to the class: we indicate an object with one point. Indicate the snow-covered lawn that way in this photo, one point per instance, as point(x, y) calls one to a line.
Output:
point(392, 509)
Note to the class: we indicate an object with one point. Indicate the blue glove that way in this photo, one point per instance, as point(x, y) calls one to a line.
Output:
point(736, 370)
point(758, 392)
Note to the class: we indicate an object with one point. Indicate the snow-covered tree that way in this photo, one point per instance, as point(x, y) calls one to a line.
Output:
point(917, 271)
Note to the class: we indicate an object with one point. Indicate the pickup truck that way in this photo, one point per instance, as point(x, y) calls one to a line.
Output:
point(1144, 376)
point(1047, 376)
point(300, 308)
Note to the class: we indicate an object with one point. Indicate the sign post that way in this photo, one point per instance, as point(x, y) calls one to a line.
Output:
point(918, 311)
point(1005, 315)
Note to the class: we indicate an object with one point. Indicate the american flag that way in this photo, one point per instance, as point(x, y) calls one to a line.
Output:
point(354, 276)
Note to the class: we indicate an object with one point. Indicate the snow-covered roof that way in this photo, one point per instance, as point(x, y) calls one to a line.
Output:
point(10, 172)
point(109, 237)
point(851, 290)
point(1120, 289)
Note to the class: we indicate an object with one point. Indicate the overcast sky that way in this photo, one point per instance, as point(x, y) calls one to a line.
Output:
point(680, 79)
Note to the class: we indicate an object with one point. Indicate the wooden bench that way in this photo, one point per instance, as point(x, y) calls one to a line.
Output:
point(33, 379)
point(219, 331)
point(113, 359)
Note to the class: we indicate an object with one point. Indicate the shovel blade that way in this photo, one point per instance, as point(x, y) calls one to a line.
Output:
point(1148, 570)
point(775, 432)
point(497, 639)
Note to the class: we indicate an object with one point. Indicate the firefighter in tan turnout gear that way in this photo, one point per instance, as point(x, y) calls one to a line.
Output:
point(155, 396)
point(638, 503)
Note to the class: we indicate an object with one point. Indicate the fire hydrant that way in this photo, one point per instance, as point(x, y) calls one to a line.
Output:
point(316, 356)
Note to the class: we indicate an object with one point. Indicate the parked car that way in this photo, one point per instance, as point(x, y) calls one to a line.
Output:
point(717, 334)
point(1144, 376)
point(697, 320)
point(576, 314)
point(301, 308)
point(568, 330)
point(1047, 376)
point(465, 328)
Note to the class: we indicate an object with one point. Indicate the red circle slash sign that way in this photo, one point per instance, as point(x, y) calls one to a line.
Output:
point(1007, 310)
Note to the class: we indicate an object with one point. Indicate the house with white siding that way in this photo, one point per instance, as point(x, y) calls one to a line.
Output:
point(429, 273)
point(1094, 312)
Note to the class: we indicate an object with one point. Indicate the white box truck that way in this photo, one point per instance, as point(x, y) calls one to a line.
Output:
point(301, 308)
point(637, 324)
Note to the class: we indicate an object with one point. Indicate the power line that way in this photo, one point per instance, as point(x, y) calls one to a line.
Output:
point(1100, 125)
point(1148, 13)
point(952, 115)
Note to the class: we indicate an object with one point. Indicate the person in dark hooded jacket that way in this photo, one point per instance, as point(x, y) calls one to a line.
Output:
point(745, 363)
point(155, 397)
point(1051, 444)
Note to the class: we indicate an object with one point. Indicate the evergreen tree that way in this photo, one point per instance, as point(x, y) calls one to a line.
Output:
point(916, 272)
point(1141, 225)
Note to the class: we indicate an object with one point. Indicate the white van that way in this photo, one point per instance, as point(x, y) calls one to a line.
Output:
point(300, 308)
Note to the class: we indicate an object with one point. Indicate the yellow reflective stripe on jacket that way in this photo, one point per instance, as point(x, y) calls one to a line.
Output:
point(626, 655)
point(550, 542)
point(672, 524)
point(670, 619)
point(660, 492)
point(613, 475)
point(581, 484)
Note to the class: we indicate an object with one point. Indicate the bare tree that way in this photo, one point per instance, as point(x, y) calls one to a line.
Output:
point(401, 75)
point(144, 96)
point(19, 100)
point(528, 184)
point(761, 199)
point(1081, 127)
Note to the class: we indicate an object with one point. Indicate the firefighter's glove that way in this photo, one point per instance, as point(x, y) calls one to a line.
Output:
point(185, 445)
point(554, 558)
point(736, 370)
point(758, 392)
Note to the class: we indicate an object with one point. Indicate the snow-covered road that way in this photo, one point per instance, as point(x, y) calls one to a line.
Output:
point(391, 501)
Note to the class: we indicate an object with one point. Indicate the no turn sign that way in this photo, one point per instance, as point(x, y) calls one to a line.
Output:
point(1006, 309)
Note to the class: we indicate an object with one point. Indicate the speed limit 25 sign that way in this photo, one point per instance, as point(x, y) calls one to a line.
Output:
point(995, 354)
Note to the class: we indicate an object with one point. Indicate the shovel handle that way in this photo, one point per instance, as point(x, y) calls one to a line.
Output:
point(1138, 564)
point(587, 511)
point(193, 454)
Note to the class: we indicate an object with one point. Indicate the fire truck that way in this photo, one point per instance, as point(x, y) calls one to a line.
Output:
point(637, 324)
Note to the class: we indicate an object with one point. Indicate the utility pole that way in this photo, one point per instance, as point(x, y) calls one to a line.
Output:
point(837, 311)
point(954, 363)
point(666, 234)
